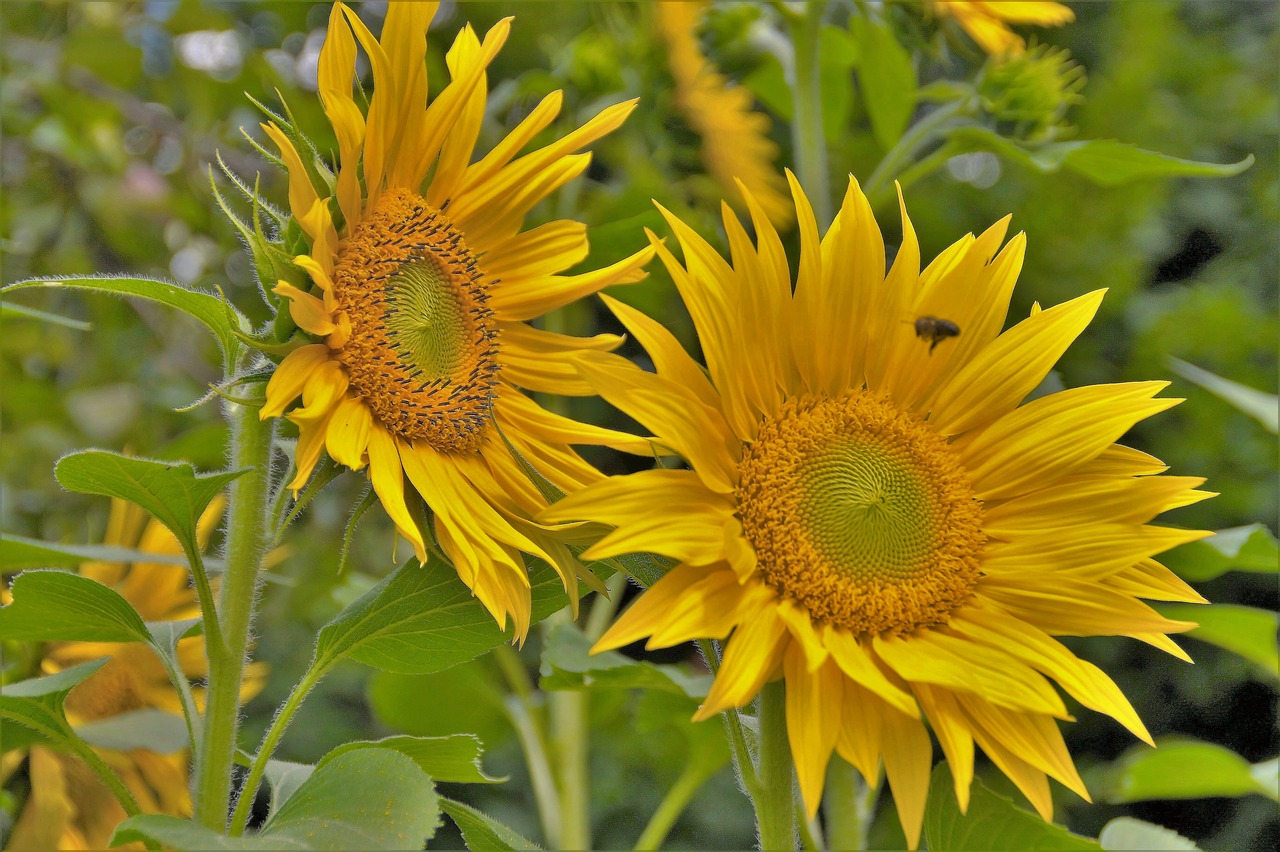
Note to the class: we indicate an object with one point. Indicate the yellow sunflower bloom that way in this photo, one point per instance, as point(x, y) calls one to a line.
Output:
point(735, 135)
point(987, 22)
point(869, 512)
point(68, 807)
point(424, 283)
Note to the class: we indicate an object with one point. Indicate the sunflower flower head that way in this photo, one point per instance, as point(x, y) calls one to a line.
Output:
point(420, 282)
point(1034, 89)
point(872, 513)
point(735, 136)
point(987, 21)
point(68, 807)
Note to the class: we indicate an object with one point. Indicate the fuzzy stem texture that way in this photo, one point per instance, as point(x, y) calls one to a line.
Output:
point(775, 804)
point(248, 533)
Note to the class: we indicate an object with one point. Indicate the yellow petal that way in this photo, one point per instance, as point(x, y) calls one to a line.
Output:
point(929, 656)
point(648, 614)
point(752, 656)
point(545, 250)
point(527, 298)
point(1051, 436)
point(348, 435)
point(291, 377)
point(1003, 373)
point(387, 475)
point(857, 664)
point(307, 311)
point(668, 356)
point(814, 704)
point(908, 759)
point(951, 726)
point(336, 69)
point(302, 195)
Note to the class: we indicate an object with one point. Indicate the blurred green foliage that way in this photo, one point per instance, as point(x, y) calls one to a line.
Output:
point(113, 112)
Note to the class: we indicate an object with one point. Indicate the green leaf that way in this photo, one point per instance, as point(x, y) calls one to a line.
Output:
point(455, 758)
point(1181, 769)
point(475, 706)
point(1244, 630)
point(481, 831)
point(423, 618)
point(1263, 407)
point(992, 821)
point(1105, 162)
point(10, 311)
point(175, 833)
point(887, 79)
point(567, 663)
point(284, 777)
point(36, 704)
point(60, 606)
point(154, 730)
point(171, 491)
point(1248, 548)
point(1126, 834)
point(18, 552)
point(369, 798)
point(216, 315)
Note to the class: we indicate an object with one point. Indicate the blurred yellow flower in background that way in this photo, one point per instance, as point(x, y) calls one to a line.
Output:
point(735, 135)
point(870, 512)
point(424, 286)
point(68, 807)
point(987, 21)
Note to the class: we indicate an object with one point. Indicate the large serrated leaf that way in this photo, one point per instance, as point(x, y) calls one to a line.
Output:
point(423, 618)
point(482, 832)
point(171, 491)
point(53, 606)
point(992, 822)
point(454, 758)
point(369, 798)
point(215, 314)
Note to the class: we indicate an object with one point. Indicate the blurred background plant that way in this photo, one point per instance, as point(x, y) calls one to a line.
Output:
point(113, 112)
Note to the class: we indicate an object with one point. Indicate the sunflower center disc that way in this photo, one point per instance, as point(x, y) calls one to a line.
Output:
point(423, 345)
point(861, 513)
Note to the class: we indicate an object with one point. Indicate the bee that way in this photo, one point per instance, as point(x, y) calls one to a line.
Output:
point(935, 330)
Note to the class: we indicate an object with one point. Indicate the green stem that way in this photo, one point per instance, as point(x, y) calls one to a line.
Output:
point(670, 808)
point(845, 806)
point(105, 774)
point(569, 739)
point(603, 607)
point(918, 135)
point(742, 762)
point(240, 817)
point(806, 121)
point(775, 808)
point(247, 536)
point(521, 711)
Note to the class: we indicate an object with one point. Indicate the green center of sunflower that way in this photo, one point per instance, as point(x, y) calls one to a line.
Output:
point(861, 513)
point(422, 350)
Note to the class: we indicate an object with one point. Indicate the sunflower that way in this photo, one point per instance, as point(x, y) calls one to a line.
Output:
point(735, 135)
point(869, 512)
point(987, 22)
point(423, 285)
point(68, 807)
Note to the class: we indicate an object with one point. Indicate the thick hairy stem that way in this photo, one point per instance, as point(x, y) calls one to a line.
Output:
point(775, 805)
point(248, 533)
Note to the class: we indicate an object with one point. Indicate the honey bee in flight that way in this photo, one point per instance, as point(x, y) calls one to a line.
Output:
point(935, 330)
